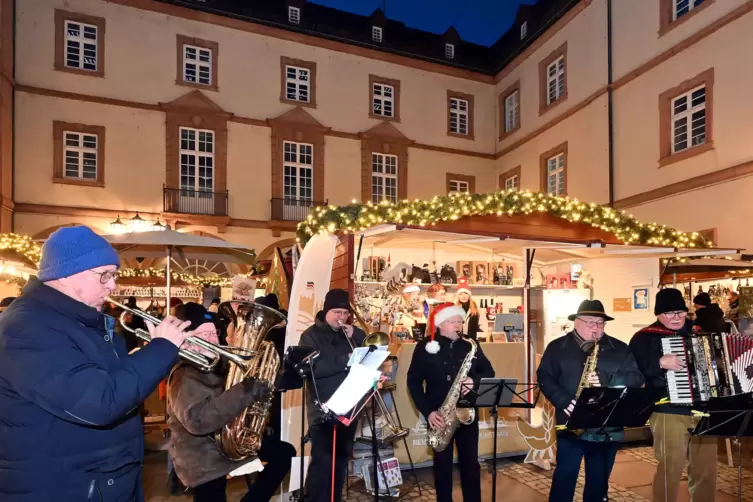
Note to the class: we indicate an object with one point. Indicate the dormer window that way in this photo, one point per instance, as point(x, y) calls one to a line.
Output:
point(449, 51)
point(524, 30)
point(294, 15)
point(376, 34)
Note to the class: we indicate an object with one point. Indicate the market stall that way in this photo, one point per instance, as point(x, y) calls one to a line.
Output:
point(528, 258)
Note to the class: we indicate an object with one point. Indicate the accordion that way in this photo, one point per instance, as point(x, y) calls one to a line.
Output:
point(717, 365)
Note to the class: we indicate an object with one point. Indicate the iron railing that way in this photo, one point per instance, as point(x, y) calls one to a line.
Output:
point(292, 209)
point(179, 200)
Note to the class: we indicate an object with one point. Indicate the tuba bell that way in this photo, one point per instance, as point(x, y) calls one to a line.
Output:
point(251, 323)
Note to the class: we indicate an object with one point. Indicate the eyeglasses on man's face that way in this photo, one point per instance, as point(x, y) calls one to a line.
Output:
point(675, 314)
point(593, 324)
point(106, 276)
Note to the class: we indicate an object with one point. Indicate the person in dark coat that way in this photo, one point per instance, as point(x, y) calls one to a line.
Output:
point(472, 319)
point(199, 406)
point(709, 317)
point(69, 391)
point(559, 375)
point(329, 335)
point(673, 444)
point(435, 365)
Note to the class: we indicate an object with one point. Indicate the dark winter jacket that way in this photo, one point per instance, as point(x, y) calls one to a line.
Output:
point(561, 369)
point(331, 366)
point(69, 396)
point(437, 371)
point(647, 350)
point(711, 320)
point(199, 406)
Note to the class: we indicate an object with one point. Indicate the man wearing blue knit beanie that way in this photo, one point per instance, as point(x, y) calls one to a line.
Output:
point(69, 391)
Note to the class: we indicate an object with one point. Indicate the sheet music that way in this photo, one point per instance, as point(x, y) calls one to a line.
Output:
point(371, 359)
point(359, 381)
point(248, 468)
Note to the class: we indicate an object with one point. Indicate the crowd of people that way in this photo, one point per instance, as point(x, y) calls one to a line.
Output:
point(72, 381)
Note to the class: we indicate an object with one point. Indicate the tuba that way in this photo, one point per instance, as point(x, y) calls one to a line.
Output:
point(242, 437)
point(453, 416)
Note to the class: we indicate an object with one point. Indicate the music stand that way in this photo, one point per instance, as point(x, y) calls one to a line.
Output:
point(297, 365)
point(495, 393)
point(728, 417)
point(602, 407)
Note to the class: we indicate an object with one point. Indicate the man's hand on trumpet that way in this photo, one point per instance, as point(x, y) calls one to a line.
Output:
point(171, 329)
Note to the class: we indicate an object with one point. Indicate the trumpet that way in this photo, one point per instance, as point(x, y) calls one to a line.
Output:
point(236, 355)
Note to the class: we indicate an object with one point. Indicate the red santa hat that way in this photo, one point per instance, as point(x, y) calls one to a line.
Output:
point(440, 314)
point(463, 286)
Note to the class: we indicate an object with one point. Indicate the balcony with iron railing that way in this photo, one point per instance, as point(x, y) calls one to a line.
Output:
point(287, 209)
point(195, 202)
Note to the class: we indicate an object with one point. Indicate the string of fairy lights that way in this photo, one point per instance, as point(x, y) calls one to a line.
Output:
point(426, 213)
point(24, 246)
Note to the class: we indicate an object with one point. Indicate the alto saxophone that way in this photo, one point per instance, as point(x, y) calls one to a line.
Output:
point(453, 416)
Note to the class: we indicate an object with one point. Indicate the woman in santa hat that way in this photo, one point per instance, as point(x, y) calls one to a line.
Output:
point(412, 312)
point(471, 325)
point(433, 369)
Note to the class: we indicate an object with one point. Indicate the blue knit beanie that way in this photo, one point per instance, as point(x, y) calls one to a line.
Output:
point(70, 250)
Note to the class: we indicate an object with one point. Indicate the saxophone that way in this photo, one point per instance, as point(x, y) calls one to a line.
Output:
point(453, 416)
point(588, 368)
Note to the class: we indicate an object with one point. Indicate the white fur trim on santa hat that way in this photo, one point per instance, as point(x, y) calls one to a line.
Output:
point(448, 312)
point(432, 347)
point(411, 288)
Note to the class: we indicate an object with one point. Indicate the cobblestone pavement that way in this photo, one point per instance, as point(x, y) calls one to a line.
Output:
point(630, 482)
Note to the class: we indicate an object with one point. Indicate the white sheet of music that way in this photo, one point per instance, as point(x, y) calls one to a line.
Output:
point(359, 381)
point(371, 359)
point(248, 468)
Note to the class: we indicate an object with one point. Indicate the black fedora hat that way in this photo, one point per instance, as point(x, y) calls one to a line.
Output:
point(592, 308)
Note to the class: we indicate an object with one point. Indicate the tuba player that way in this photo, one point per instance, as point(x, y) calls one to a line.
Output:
point(432, 373)
point(199, 406)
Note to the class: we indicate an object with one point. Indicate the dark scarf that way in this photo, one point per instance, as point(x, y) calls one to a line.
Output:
point(585, 345)
point(466, 306)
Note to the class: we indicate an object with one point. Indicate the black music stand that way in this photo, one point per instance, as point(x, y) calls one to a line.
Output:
point(495, 393)
point(602, 407)
point(728, 417)
point(297, 365)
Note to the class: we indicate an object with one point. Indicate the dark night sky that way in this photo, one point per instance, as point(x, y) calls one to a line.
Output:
point(478, 21)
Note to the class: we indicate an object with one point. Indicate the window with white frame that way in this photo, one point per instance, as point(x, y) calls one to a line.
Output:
point(196, 162)
point(383, 177)
point(512, 111)
point(555, 80)
point(376, 33)
point(298, 173)
point(459, 116)
point(689, 119)
point(297, 83)
point(80, 155)
point(555, 175)
point(81, 46)
point(458, 186)
point(383, 100)
point(682, 7)
point(197, 65)
point(524, 30)
point(294, 15)
point(513, 182)
point(449, 51)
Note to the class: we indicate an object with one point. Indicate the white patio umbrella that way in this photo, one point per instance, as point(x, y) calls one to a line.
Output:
point(164, 243)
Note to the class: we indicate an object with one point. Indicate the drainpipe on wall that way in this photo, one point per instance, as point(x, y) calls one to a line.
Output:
point(13, 127)
point(610, 106)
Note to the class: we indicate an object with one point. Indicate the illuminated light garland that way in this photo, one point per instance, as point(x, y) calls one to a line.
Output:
point(195, 280)
point(21, 244)
point(329, 219)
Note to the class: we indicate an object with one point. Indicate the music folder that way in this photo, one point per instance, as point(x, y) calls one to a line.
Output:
point(602, 407)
